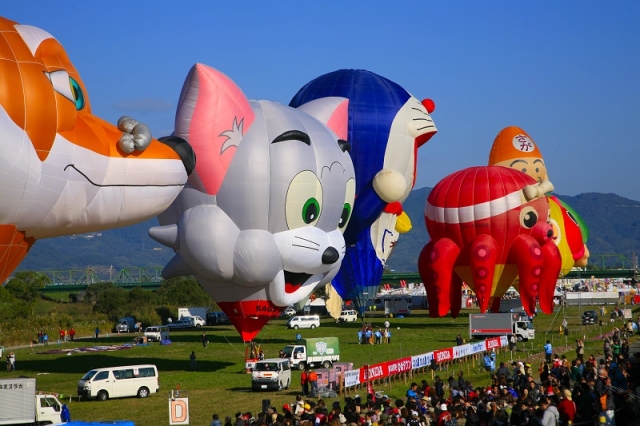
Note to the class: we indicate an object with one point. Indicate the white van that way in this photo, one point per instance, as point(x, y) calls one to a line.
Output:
point(156, 333)
point(117, 382)
point(348, 316)
point(271, 373)
point(305, 321)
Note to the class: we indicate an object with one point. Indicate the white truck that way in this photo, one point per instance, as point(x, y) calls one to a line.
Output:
point(499, 324)
point(193, 312)
point(313, 352)
point(20, 404)
point(196, 321)
point(395, 304)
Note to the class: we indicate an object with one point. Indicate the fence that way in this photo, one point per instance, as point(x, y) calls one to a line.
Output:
point(403, 366)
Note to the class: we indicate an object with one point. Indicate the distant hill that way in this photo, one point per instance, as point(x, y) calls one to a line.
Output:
point(614, 224)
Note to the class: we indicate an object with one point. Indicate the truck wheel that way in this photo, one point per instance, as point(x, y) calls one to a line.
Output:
point(198, 326)
point(302, 366)
point(295, 327)
point(326, 364)
point(143, 392)
point(519, 338)
point(102, 396)
point(280, 387)
point(313, 326)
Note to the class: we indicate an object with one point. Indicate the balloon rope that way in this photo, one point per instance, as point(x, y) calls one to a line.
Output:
point(225, 338)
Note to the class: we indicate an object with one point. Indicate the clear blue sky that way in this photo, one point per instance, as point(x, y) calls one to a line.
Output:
point(568, 72)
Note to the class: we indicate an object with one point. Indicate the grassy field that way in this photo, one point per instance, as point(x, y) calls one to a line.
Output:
point(220, 384)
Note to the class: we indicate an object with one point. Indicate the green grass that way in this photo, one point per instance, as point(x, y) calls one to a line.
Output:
point(220, 384)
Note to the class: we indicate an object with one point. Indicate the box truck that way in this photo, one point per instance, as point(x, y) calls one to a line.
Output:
point(489, 324)
point(20, 404)
point(313, 352)
point(193, 312)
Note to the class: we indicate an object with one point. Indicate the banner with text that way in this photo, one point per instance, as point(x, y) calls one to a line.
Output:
point(402, 365)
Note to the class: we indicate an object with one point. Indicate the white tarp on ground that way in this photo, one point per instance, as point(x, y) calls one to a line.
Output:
point(592, 298)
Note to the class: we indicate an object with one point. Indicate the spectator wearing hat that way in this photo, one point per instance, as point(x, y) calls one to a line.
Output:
point(414, 419)
point(239, 420)
point(445, 415)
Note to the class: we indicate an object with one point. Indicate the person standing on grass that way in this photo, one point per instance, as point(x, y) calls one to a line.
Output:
point(192, 358)
point(205, 340)
point(12, 360)
point(304, 381)
point(72, 334)
point(580, 350)
point(548, 351)
point(313, 379)
point(97, 332)
point(459, 340)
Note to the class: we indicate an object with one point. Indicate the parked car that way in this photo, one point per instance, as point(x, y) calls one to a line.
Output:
point(289, 312)
point(589, 317)
point(305, 321)
point(181, 323)
point(125, 325)
point(348, 316)
point(217, 318)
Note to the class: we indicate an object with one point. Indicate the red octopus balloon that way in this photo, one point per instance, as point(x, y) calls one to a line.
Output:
point(485, 231)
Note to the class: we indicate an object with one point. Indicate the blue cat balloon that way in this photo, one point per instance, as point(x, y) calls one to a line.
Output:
point(386, 127)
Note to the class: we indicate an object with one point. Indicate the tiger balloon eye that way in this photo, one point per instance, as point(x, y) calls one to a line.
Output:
point(65, 170)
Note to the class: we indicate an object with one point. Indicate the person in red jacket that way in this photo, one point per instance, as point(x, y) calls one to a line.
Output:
point(567, 408)
point(445, 415)
point(304, 382)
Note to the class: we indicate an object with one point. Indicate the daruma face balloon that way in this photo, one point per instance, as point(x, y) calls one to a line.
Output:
point(260, 223)
point(485, 232)
point(62, 169)
point(514, 148)
point(387, 125)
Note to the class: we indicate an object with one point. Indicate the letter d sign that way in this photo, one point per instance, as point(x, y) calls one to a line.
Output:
point(179, 411)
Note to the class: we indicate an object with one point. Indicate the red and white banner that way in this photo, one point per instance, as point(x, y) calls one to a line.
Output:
point(402, 365)
point(443, 355)
point(399, 366)
point(493, 343)
point(373, 372)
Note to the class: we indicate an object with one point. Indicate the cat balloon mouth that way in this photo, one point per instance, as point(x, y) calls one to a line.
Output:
point(294, 280)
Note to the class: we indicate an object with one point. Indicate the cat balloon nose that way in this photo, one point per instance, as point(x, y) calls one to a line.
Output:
point(330, 256)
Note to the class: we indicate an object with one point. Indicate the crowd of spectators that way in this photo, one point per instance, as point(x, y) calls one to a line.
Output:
point(560, 392)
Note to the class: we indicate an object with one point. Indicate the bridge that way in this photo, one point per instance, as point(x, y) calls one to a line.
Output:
point(599, 267)
point(128, 278)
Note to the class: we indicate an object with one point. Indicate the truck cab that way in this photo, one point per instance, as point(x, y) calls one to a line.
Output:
point(524, 331)
point(271, 373)
point(48, 409)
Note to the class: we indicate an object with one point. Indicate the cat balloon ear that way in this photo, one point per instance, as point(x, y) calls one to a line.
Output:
point(213, 115)
point(332, 111)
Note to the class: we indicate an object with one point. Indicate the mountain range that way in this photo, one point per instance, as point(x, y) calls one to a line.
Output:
point(613, 221)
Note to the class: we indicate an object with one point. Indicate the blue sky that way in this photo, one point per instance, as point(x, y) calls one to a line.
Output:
point(567, 72)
